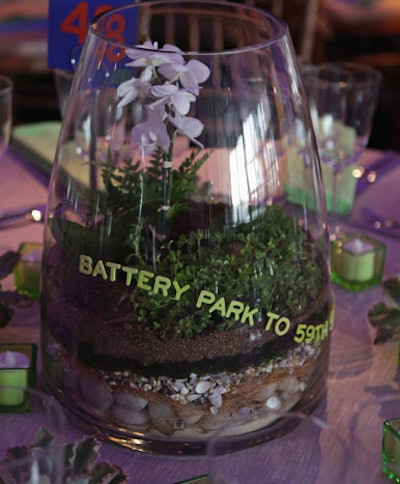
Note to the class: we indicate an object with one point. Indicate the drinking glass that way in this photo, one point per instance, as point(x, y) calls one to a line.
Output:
point(6, 94)
point(342, 98)
point(26, 452)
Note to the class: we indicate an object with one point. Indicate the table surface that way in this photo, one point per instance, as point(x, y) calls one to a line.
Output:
point(359, 369)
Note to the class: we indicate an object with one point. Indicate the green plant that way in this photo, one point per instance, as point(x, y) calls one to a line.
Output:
point(265, 263)
point(385, 316)
point(80, 461)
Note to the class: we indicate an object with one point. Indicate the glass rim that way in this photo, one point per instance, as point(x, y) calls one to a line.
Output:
point(280, 28)
point(371, 75)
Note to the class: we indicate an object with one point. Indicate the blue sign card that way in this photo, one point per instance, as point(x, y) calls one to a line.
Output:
point(67, 29)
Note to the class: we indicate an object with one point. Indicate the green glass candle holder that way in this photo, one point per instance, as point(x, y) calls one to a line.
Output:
point(391, 449)
point(27, 271)
point(357, 261)
point(345, 183)
point(17, 369)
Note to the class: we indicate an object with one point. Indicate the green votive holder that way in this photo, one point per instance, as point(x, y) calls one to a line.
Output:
point(357, 261)
point(345, 185)
point(391, 449)
point(17, 369)
point(27, 271)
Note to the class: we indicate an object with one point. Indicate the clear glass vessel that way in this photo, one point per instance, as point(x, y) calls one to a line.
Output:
point(185, 267)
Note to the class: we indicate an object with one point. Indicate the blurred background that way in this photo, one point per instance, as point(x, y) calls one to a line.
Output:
point(365, 31)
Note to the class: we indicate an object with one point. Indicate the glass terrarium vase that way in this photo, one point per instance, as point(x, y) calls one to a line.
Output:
point(185, 271)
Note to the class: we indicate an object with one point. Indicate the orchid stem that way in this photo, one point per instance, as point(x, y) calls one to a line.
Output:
point(166, 172)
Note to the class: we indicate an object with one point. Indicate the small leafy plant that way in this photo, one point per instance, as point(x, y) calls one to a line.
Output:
point(385, 316)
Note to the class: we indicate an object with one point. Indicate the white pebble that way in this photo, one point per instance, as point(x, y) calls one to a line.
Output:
point(177, 386)
point(130, 417)
point(130, 401)
point(160, 410)
point(218, 390)
point(215, 400)
point(202, 387)
point(273, 403)
point(214, 410)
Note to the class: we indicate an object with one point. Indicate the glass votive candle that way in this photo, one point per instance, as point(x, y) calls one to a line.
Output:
point(17, 369)
point(27, 271)
point(375, 444)
point(357, 261)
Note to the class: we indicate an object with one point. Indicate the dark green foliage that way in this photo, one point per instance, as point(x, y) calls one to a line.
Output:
point(8, 261)
point(385, 316)
point(262, 259)
point(267, 264)
point(135, 196)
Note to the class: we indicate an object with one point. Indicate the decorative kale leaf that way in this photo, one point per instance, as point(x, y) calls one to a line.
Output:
point(8, 261)
point(80, 461)
point(385, 317)
point(81, 466)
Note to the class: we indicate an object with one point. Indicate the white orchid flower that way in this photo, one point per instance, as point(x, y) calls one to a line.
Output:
point(153, 133)
point(187, 126)
point(168, 102)
point(190, 75)
point(169, 94)
point(148, 54)
point(134, 88)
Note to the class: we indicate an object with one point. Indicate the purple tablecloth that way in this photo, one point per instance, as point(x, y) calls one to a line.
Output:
point(359, 370)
